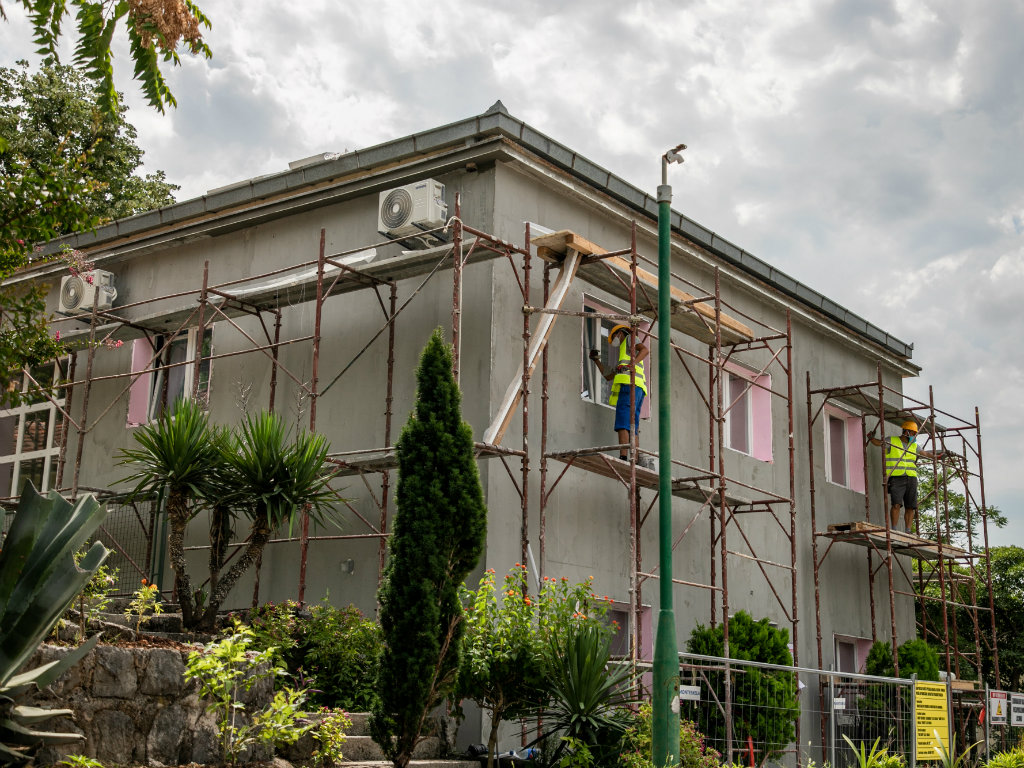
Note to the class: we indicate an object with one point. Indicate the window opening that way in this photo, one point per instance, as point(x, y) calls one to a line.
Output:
point(594, 387)
point(168, 373)
point(844, 449)
point(748, 420)
point(30, 434)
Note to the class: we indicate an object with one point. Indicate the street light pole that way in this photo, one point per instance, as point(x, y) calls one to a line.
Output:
point(665, 727)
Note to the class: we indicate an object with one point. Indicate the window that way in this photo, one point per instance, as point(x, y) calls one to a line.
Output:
point(620, 614)
point(748, 416)
point(31, 433)
point(851, 653)
point(844, 449)
point(595, 387)
point(167, 366)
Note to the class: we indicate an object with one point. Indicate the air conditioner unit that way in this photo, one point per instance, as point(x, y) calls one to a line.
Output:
point(408, 211)
point(79, 292)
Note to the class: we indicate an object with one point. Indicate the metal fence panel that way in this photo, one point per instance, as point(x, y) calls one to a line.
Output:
point(758, 706)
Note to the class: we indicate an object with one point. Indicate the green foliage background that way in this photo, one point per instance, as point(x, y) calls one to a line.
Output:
point(772, 727)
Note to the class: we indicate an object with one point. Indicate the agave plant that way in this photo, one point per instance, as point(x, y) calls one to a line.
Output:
point(38, 580)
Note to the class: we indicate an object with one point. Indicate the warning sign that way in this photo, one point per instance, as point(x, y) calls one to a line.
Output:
point(931, 713)
point(1017, 709)
point(998, 704)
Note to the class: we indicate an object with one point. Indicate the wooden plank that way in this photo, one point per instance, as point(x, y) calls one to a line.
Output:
point(695, 319)
point(868, 534)
point(496, 431)
point(557, 244)
point(383, 459)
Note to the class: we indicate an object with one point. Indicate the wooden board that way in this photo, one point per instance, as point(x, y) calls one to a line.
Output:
point(538, 340)
point(383, 459)
point(613, 274)
point(867, 534)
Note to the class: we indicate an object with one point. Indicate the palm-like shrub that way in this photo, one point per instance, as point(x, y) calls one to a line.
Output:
point(588, 698)
point(271, 479)
point(256, 472)
point(38, 580)
point(180, 458)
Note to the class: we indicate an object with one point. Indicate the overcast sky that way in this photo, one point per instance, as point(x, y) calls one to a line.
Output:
point(870, 148)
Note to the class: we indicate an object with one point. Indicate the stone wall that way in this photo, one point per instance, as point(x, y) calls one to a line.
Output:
point(134, 707)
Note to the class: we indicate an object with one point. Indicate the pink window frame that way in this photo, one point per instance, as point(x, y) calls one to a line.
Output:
point(760, 410)
point(854, 448)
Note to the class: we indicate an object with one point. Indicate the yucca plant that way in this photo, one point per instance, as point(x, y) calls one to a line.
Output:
point(38, 580)
point(180, 458)
point(588, 698)
point(270, 479)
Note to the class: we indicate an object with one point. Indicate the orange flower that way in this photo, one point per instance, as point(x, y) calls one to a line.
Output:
point(144, 582)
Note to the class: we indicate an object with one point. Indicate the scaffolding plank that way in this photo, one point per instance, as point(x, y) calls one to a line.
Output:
point(384, 459)
point(867, 534)
point(688, 316)
point(613, 467)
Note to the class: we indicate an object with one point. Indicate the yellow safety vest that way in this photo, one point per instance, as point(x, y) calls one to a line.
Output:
point(900, 459)
point(625, 377)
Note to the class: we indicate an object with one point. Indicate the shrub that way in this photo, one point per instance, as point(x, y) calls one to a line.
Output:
point(334, 649)
point(341, 650)
point(637, 747)
point(1012, 759)
point(915, 657)
point(503, 666)
point(225, 669)
point(773, 727)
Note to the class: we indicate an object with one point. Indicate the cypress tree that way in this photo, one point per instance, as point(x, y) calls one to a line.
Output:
point(436, 540)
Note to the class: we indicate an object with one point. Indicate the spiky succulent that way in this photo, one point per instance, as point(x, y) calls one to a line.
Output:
point(38, 580)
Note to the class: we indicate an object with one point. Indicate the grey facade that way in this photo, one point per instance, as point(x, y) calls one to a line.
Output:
point(505, 175)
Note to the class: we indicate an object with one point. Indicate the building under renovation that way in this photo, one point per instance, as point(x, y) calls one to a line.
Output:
point(312, 292)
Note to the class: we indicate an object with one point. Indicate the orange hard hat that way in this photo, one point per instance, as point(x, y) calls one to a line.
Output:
point(910, 426)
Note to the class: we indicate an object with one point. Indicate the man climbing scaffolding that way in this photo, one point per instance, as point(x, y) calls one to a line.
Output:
point(628, 384)
point(901, 455)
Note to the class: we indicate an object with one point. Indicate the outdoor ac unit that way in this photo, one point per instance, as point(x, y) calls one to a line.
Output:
point(408, 211)
point(79, 292)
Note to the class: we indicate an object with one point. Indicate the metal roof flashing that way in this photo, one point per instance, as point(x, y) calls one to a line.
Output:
point(496, 121)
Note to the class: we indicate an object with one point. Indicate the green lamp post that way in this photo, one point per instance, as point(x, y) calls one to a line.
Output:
point(665, 728)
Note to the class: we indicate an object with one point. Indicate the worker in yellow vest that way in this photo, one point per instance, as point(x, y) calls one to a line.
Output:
point(901, 454)
point(627, 376)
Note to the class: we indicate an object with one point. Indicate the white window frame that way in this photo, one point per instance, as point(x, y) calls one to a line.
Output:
point(589, 369)
point(146, 387)
point(50, 453)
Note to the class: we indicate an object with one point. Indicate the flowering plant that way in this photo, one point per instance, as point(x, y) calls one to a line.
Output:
point(503, 666)
point(145, 602)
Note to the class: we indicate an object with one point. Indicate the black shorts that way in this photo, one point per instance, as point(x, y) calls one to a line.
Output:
point(903, 491)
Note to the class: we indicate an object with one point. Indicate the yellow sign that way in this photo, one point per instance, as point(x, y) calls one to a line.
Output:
point(931, 714)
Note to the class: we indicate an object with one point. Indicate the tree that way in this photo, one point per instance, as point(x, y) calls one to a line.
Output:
point(52, 115)
point(68, 166)
point(943, 492)
point(437, 538)
point(150, 24)
point(1007, 567)
point(764, 703)
point(254, 472)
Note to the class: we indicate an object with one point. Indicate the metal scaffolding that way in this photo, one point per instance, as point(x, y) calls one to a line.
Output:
point(948, 573)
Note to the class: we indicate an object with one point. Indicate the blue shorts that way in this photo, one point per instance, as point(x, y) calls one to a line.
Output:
point(622, 408)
